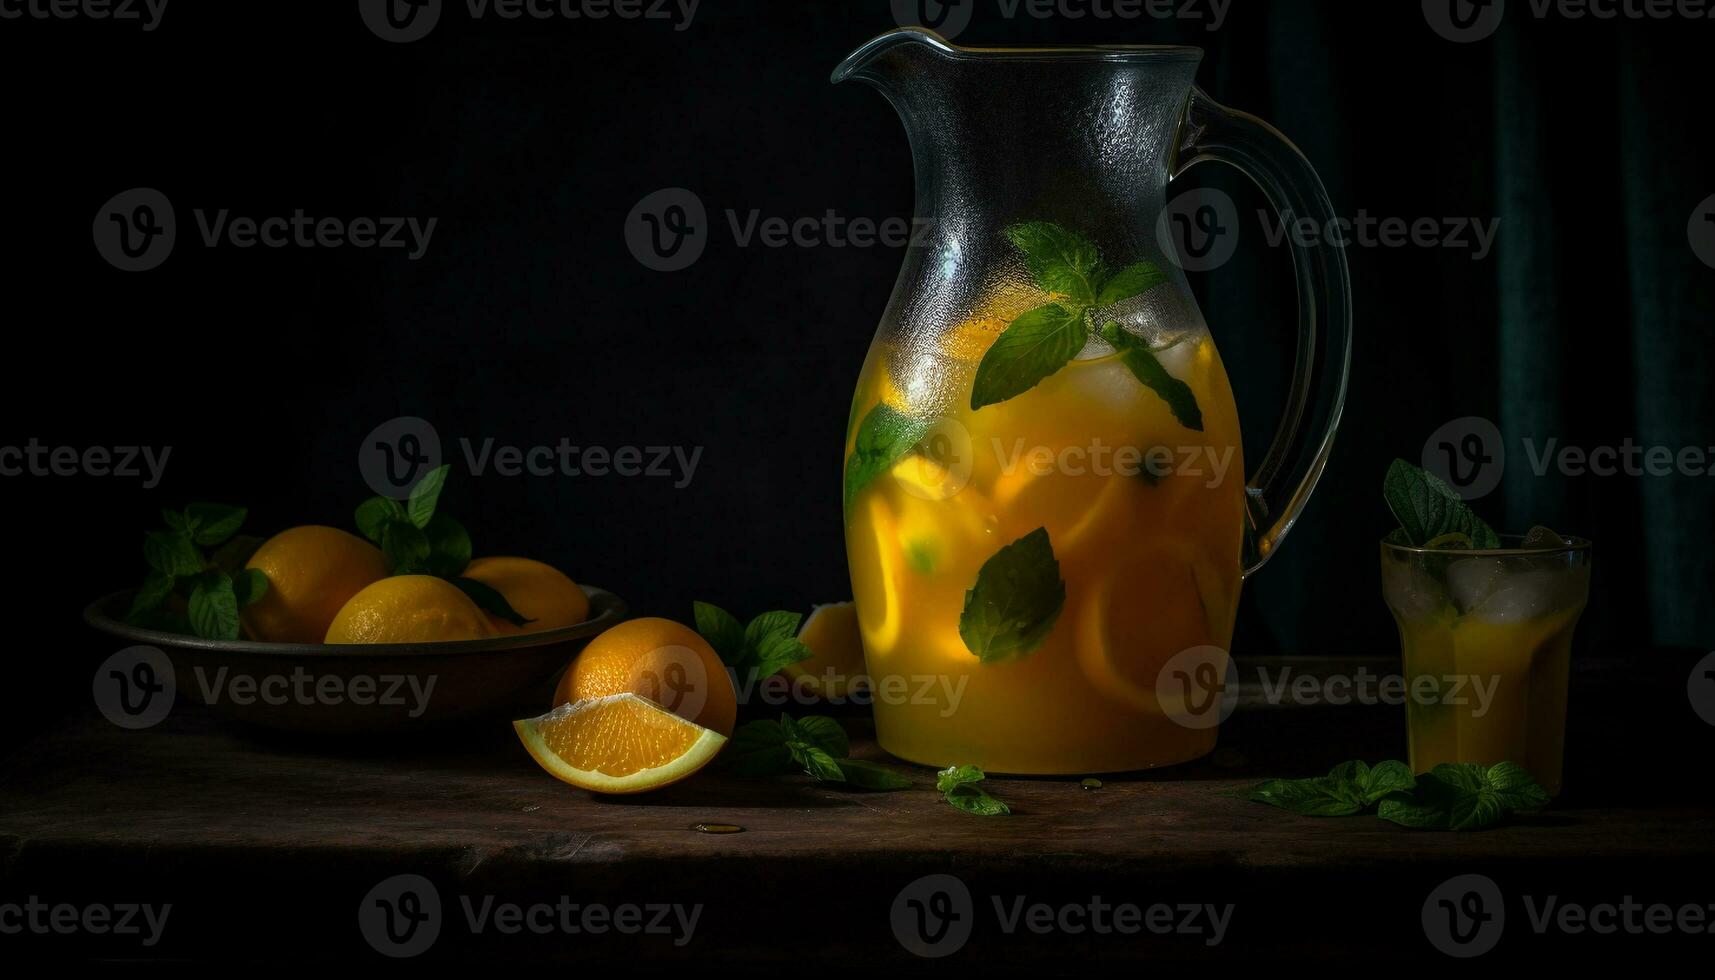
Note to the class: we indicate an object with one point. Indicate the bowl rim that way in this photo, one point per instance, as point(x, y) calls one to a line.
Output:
point(609, 610)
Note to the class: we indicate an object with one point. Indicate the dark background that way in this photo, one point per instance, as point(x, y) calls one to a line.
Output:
point(528, 320)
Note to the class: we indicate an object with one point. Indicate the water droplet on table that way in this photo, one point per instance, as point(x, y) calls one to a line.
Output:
point(1091, 784)
point(717, 828)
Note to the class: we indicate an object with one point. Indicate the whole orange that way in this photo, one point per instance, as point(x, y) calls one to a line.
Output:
point(312, 572)
point(661, 660)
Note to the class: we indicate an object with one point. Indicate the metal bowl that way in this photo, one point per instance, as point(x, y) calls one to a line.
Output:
point(379, 687)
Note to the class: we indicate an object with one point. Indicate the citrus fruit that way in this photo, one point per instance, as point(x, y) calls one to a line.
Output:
point(409, 609)
point(621, 743)
point(312, 572)
point(1145, 611)
point(658, 659)
point(539, 592)
point(835, 668)
point(874, 549)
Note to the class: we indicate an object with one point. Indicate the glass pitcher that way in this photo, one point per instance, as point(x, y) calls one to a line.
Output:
point(1046, 510)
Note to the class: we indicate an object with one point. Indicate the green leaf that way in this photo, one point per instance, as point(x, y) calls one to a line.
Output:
point(489, 600)
point(868, 775)
point(816, 762)
point(449, 547)
point(1032, 347)
point(1387, 778)
point(248, 585)
point(883, 438)
point(826, 734)
point(406, 549)
point(954, 776)
point(154, 591)
point(214, 607)
point(426, 495)
point(232, 556)
point(723, 631)
point(1146, 368)
point(771, 642)
point(1016, 600)
point(172, 552)
point(1465, 796)
point(973, 799)
point(1133, 280)
point(374, 514)
point(176, 521)
point(1061, 261)
point(1427, 508)
point(213, 523)
point(758, 748)
point(1349, 788)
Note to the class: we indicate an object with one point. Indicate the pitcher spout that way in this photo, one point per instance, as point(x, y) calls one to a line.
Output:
point(870, 62)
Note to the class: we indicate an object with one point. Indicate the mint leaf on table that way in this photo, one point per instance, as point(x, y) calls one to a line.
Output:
point(1465, 796)
point(1061, 261)
point(1349, 788)
point(1133, 280)
point(1428, 508)
point(1147, 369)
point(758, 748)
point(868, 775)
point(760, 649)
point(884, 437)
point(958, 785)
point(816, 746)
point(1032, 347)
point(823, 733)
point(1016, 600)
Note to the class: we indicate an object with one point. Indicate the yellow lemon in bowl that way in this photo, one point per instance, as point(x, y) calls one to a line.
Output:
point(312, 572)
point(539, 592)
point(409, 609)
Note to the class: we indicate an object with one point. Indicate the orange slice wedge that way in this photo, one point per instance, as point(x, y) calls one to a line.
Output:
point(622, 743)
point(835, 669)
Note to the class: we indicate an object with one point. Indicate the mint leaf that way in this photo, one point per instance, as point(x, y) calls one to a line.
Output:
point(374, 514)
point(1349, 788)
point(489, 600)
point(723, 631)
point(826, 734)
point(406, 549)
point(1427, 508)
point(1032, 347)
point(176, 521)
point(154, 591)
point(884, 436)
point(1016, 600)
point(816, 762)
point(1465, 796)
point(758, 748)
point(771, 642)
point(953, 776)
point(449, 547)
point(958, 786)
point(248, 585)
point(1133, 280)
point(232, 556)
point(210, 524)
point(172, 552)
point(1143, 364)
point(868, 775)
point(1061, 261)
point(213, 607)
point(426, 495)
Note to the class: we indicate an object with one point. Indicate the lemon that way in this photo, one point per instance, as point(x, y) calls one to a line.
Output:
point(312, 572)
point(409, 609)
point(538, 592)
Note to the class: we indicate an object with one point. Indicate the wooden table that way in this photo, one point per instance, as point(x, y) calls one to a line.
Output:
point(267, 848)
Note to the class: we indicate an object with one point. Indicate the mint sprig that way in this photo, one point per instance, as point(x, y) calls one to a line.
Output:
point(1452, 796)
point(213, 587)
point(754, 651)
point(1040, 342)
point(1427, 508)
point(959, 786)
point(884, 437)
point(416, 538)
point(816, 746)
point(1015, 602)
point(1147, 369)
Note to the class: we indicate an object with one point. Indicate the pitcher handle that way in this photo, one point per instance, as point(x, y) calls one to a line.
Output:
point(1283, 482)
